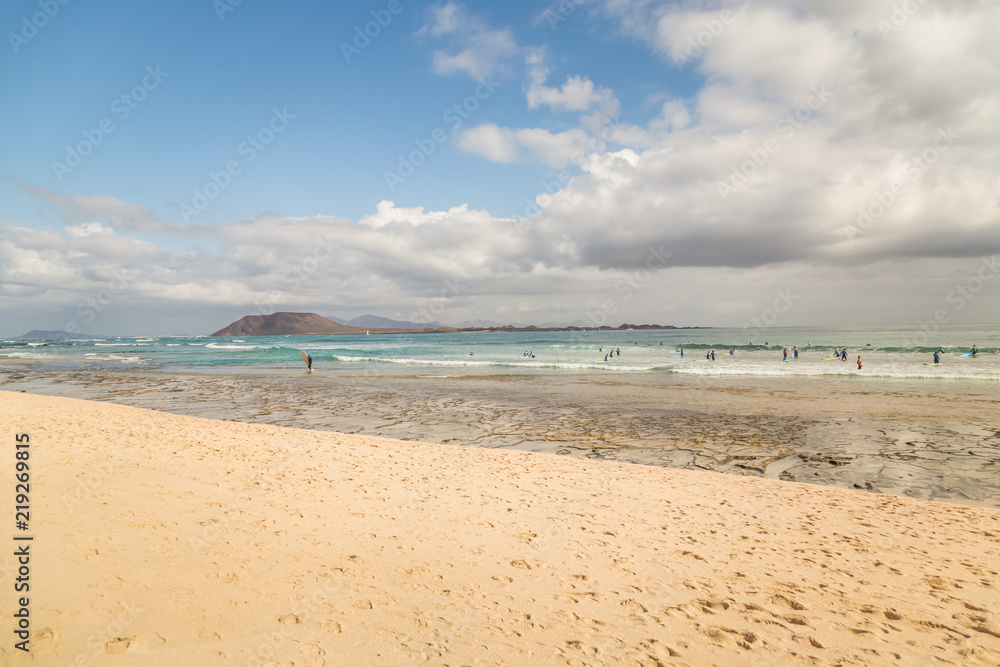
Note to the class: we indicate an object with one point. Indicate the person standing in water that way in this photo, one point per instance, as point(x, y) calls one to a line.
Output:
point(713, 355)
point(859, 362)
point(795, 352)
point(784, 355)
point(975, 350)
point(937, 358)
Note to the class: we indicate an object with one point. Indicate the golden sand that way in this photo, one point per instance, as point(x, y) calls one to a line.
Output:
point(163, 540)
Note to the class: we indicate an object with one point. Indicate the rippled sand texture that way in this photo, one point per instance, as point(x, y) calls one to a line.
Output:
point(165, 540)
point(933, 440)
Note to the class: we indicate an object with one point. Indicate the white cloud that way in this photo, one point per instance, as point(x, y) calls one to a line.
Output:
point(577, 94)
point(474, 48)
point(90, 208)
point(505, 145)
point(495, 143)
point(446, 18)
point(387, 213)
point(88, 229)
point(556, 149)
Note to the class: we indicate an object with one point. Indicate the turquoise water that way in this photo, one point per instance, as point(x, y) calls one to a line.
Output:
point(885, 352)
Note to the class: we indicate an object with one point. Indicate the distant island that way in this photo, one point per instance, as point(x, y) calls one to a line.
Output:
point(38, 334)
point(311, 324)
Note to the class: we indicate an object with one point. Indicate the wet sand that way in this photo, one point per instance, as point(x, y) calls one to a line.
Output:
point(925, 439)
point(163, 539)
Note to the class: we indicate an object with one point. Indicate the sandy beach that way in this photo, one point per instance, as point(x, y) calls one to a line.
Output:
point(165, 539)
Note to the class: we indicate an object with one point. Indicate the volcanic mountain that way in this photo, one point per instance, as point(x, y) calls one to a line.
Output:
point(286, 324)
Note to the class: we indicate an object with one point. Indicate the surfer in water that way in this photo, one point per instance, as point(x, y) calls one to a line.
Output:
point(784, 356)
point(308, 359)
point(975, 350)
point(937, 358)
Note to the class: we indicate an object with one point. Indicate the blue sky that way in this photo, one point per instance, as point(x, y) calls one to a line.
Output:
point(522, 204)
point(224, 77)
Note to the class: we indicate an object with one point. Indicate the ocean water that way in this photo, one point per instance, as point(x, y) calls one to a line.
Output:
point(887, 352)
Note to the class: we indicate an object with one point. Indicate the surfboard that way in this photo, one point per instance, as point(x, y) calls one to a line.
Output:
point(830, 358)
point(928, 363)
point(305, 358)
point(967, 354)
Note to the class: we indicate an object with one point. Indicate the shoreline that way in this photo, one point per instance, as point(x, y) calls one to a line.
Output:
point(909, 438)
point(174, 538)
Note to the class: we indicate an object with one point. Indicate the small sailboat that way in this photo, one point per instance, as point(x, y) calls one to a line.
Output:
point(367, 332)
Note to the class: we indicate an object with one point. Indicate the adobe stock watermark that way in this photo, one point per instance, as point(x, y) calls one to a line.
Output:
point(89, 308)
point(455, 115)
point(629, 285)
point(786, 127)
point(915, 169)
point(363, 35)
point(958, 298)
point(768, 317)
point(223, 7)
point(249, 149)
point(562, 12)
point(122, 107)
point(901, 14)
point(31, 25)
point(696, 44)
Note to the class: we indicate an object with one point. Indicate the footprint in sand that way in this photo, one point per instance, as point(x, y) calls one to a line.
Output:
point(786, 602)
point(118, 645)
point(634, 606)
